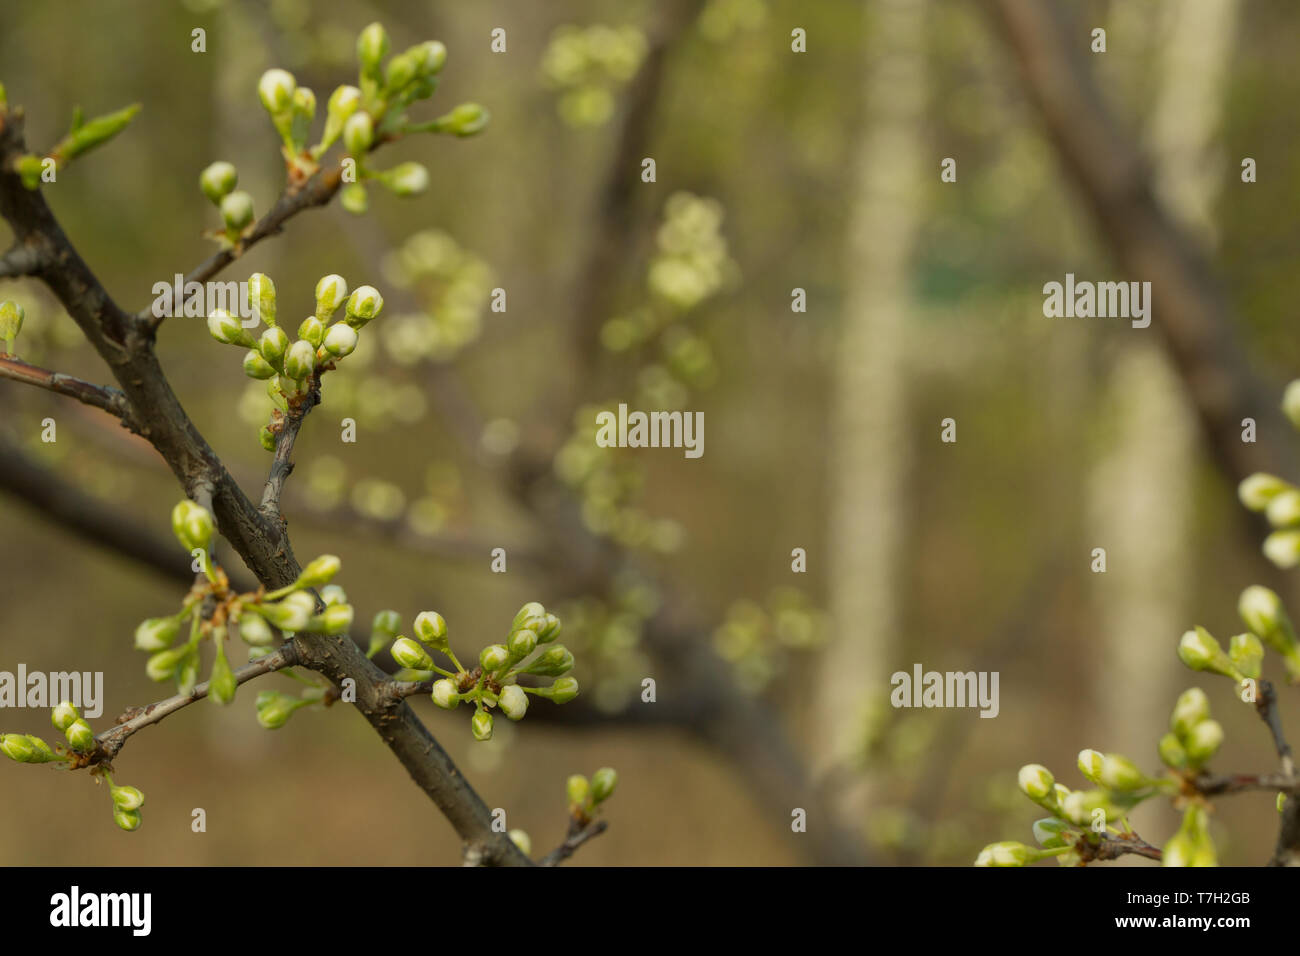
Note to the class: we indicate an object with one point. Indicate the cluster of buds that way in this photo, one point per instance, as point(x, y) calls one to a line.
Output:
point(529, 650)
point(261, 619)
point(292, 368)
point(1279, 500)
point(1201, 651)
point(1193, 736)
point(1261, 610)
point(585, 796)
point(83, 136)
point(587, 65)
point(11, 323)
point(218, 182)
point(1192, 844)
point(366, 115)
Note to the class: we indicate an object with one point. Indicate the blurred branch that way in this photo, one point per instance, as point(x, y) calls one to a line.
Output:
point(20, 260)
point(1112, 848)
point(106, 397)
point(579, 834)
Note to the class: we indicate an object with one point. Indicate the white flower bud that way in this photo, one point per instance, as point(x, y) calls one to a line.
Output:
point(430, 57)
point(481, 725)
point(273, 345)
point(293, 613)
point(343, 102)
point(494, 657)
point(225, 328)
point(1036, 781)
point(331, 291)
point(431, 628)
point(237, 210)
point(163, 665)
point(1089, 763)
point(564, 689)
point(445, 695)
point(128, 820)
point(1283, 548)
point(407, 653)
point(1201, 652)
point(340, 341)
point(1291, 402)
point(64, 715)
point(79, 735)
point(1050, 832)
point(255, 632)
point(521, 644)
point(127, 798)
point(1190, 709)
point(192, 525)
point(217, 180)
point(1120, 773)
point(1257, 490)
point(261, 297)
point(312, 330)
point(513, 701)
point(363, 305)
point(358, 133)
point(406, 179)
point(257, 367)
point(521, 840)
point(333, 620)
point(1247, 654)
point(372, 47)
point(156, 634)
point(1284, 510)
point(275, 89)
point(1006, 853)
point(333, 595)
point(300, 360)
point(1204, 740)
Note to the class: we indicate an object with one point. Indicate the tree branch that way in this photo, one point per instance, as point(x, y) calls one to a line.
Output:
point(579, 834)
point(104, 397)
point(20, 260)
point(282, 463)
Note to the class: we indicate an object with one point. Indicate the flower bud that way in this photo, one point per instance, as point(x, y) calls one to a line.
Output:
point(481, 725)
point(128, 820)
point(1257, 490)
point(163, 665)
point(530, 610)
point(331, 291)
point(1172, 753)
point(218, 180)
point(1261, 611)
point(11, 323)
point(304, 114)
point(225, 328)
point(1204, 740)
point(96, 132)
point(513, 701)
point(1090, 762)
point(429, 56)
point(17, 747)
point(401, 70)
point(192, 525)
point(465, 120)
point(64, 715)
point(372, 47)
point(1036, 781)
point(261, 298)
point(554, 661)
point(79, 735)
point(603, 782)
point(445, 695)
point(275, 89)
point(521, 840)
point(354, 198)
point(221, 682)
point(255, 632)
point(550, 630)
point(156, 634)
point(312, 330)
point(1178, 850)
point(406, 179)
point(363, 305)
point(1291, 402)
point(343, 102)
point(293, 613)
point(1284, 510)
point(564, 689)
point(1247, 654)
point(127, 798)
point(1120, 773)
point(578, 790)
point(431, 628)
point(407, 653)
point(336, 619)
point(257, 367)
point(319, 572)
point(494, 657)
point(358, 133)
point(274, 709)
point(340, 341)
point(1201, 652)
point(237, 210)
point(521, 644)
point(1050, 832)
point(1006, 853)
point(333, 595)
point(1080, 805)
point(300, 360)
point(273, 345)
point(1190, 709)
point(1283, 548)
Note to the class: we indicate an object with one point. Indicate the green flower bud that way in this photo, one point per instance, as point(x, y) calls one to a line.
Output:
point(257, 367)
point(603, 782)
point(221, 682)
point(521, 840)
point(1050, 832)
point(255, 632)
point(192, 525)
point(578, 790)
point(237, 210)
point(1178, 850)
point(1201, 652)
point(550, 630)
point(402, 69)
point(29, 169)
point(273, 345)
point(274, 709)
point(343, 102)
point(354, 199)
point(363, 305)
point(156, 634)
point(1006, 853)
point(564, 689)
point(163, 665)
point(1036, 781)
point(1190, 709)
point(405, 179)
point(127, 798)
point(17, 747)
point(407, 653)
point(1284, 510)
point(481, 725)
point(312, 330)
point(275, 89)
point(1080, 805)
point(1291, 402)
point(390, 622)
point(358, 133)
point(494, 657)
point(64, 715)
point(1283, 548)
point(1246, 654)
point(225, 328)
point(1256, 491)
point(79, 735)
point(429, 56)
point(261, 297)
point(554, 661)
point(218, 180)
point(1172, 752)
point(331, 291)
point(340, 341)
point(513, 701)
point(304, 113)
point(465, 120)
point(300, 360)
point(372, 47)
point(431, 629)
point(1120, 773)
point(333, 620)
point(521, 644)
point(1090, 762)
point(95, 133)
point(128, 820)
point(319, 572)
point(445, 695)
point(333, 595)
point(42, 752)
point(1204, 740)
point(530, 610)
point(11, 323)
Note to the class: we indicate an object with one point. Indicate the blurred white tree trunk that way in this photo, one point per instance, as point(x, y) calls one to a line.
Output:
point(870, 436)
point(1142, 491)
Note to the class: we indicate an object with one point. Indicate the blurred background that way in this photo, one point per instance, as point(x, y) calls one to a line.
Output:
point(777, 172)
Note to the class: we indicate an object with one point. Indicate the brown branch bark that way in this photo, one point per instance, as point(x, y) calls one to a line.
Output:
point(104, 397)
point(579, 833)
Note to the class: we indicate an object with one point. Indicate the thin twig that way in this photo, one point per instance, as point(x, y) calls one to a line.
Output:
point(578, 835)
point(104, 397)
